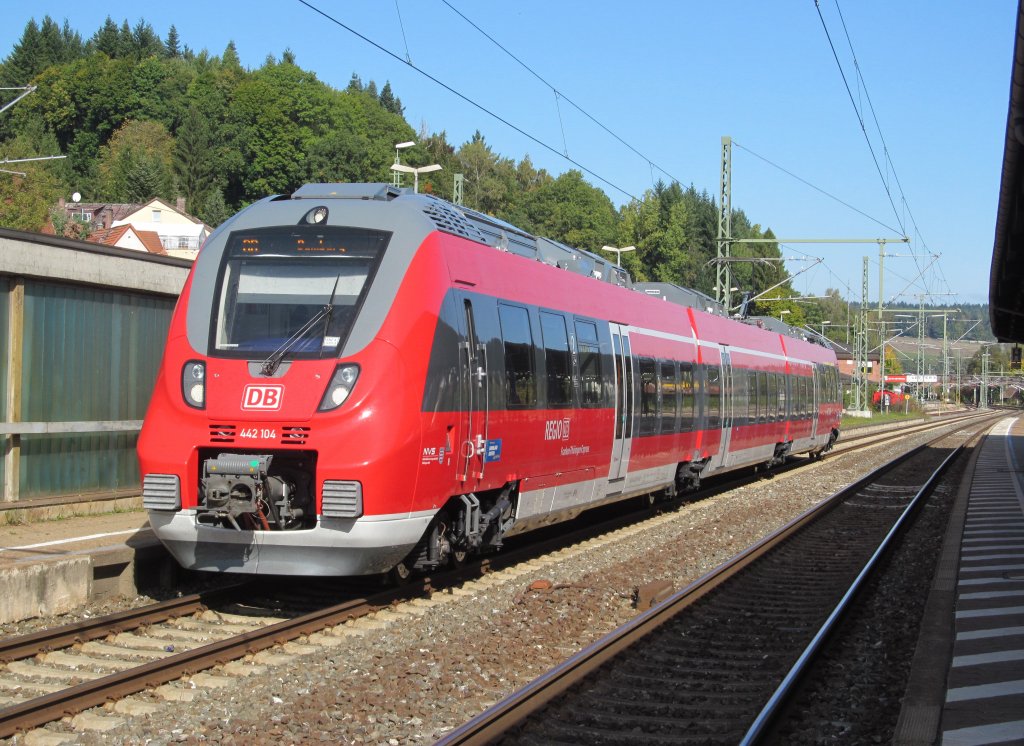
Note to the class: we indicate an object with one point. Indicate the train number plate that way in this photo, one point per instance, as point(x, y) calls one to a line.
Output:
point(260, 433)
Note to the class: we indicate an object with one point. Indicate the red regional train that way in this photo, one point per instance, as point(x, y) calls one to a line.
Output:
point(359, 379)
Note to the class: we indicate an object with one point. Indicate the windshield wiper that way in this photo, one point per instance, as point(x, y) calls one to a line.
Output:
point(271, 364)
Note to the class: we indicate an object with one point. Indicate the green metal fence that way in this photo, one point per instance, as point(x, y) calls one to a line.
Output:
point(89, 354)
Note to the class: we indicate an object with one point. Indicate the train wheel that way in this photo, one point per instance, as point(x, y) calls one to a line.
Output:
point(400, 574)
point(458, 557)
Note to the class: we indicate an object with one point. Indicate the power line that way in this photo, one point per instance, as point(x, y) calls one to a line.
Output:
point(817, 188)
point(558, 94)
point(467, 99)
point(862, 84)
point(860, 118)
point(885, 147)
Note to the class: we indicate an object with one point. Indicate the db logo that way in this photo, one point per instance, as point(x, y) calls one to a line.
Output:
point(262, 397)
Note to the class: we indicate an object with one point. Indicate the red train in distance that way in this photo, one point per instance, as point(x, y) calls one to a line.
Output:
point(889, 398)
point(359, 379)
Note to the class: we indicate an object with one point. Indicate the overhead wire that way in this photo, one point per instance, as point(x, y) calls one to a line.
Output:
point(467, 99)
point(558, 93)
point(817, 188)
point(862, 85)
point(860, 117)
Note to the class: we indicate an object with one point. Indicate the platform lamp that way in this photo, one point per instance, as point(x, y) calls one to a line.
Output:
point(416, 172)
point(783, 312)
point(618, 252)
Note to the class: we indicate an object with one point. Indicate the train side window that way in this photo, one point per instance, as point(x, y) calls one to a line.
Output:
point(590, 363)
point(713, 396)
point(687, 414)
point(520, 381)
point(557, 363)
point(669, 398)
point(752, 397)
point(738, 394)
point(764, 411)
point(648, 396)
point(771, 397)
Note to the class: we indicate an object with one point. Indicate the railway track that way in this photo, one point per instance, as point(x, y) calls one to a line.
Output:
point(720, 658)
point(62, 671)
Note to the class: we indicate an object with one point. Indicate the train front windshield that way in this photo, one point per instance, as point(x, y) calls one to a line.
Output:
point(280, 282)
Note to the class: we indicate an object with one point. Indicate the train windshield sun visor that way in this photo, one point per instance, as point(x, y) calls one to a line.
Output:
point(292, 290)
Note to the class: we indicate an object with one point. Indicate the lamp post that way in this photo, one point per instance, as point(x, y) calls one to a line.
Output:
point(618, 252)
point(823, 325)
point(399, 147)
point(782, 313)
point(416, 173)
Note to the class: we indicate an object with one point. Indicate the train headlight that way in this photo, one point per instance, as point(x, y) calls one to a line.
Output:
point(193, 384)
point(316, 216)
point(341, 385)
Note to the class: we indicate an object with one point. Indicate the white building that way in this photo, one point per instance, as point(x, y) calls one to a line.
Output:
point(180, 234)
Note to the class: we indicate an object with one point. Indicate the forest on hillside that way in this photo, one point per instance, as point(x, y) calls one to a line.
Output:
point(141, 116)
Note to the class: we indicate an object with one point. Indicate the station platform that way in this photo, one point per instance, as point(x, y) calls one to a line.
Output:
point(967, 681)
point(54, 566)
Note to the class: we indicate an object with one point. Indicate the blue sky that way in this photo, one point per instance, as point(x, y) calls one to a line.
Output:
point(670, 79)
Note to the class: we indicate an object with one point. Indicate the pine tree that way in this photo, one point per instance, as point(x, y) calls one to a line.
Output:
point(288, 57)
point(24, 61)
point(214, 210)
point(173, 43)
point(107, 39)
point(355, 85)
point(145, 42)
point(193, 157)
point(230, 57)
point(389, 101)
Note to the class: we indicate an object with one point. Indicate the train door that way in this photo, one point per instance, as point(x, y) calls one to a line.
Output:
point(727, 389)
point(476, 398)
point(623, 403)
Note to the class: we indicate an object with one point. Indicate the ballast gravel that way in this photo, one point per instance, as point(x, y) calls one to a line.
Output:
point(426, 671)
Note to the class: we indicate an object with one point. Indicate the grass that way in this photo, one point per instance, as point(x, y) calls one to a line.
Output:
point(877, 418)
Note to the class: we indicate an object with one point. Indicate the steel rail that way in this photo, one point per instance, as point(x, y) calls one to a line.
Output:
point(26, 646)
point(40, 710)
point(518, 706)
point(781, 695)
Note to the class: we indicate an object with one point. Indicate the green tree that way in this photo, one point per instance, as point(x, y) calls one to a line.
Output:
point(39, 48)
point(25, 201)
point(193, 160)
point(107, 39)
point(173, 43)
point(214, 210)
point(570, 210)
point(390, 101)
point(137, 164)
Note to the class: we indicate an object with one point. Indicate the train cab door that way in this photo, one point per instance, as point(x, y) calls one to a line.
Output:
point(476, 401)
point(727, 389)
point(624, 401)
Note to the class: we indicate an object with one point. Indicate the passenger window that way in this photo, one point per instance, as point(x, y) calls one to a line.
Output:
point(669, 398)
point(590, 364)
point(648, 396)
point(714, 396)
point(752, 397)
point(687, 414)
point(557, 363)
point(520, 383)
